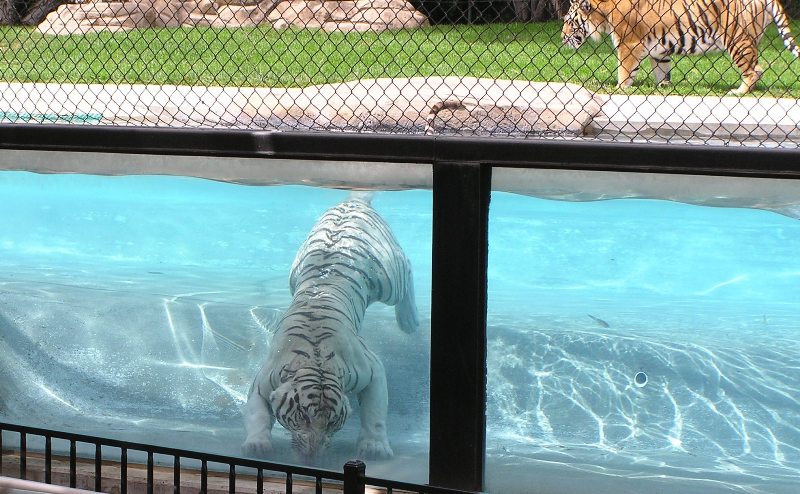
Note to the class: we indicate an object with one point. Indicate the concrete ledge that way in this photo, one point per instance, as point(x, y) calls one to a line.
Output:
point(446, 105)
point(470, 106)
point(700, 117)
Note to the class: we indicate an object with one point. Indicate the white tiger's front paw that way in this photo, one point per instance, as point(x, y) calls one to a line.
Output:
point(374, 449)
point(257, 446)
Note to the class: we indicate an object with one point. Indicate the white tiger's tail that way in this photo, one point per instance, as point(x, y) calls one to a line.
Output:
point(779, 16)
point(364, 196)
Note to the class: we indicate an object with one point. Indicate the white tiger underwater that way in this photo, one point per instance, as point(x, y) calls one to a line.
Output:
point(660, 28)
point(349, 260)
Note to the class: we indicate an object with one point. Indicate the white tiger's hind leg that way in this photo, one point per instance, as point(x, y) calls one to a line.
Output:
point(374, 402)
point(405, 311)
point(258, 422)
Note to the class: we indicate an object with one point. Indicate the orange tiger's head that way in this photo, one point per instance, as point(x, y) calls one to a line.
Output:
point(583, 20)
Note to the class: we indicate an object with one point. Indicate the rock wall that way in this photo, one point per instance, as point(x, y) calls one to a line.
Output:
point(330, 15)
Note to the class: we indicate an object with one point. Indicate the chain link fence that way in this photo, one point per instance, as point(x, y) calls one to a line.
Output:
point(694, 71)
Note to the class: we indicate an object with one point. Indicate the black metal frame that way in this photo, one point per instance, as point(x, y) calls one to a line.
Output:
point(462, 173)
point(458, 312)
point(506, 152)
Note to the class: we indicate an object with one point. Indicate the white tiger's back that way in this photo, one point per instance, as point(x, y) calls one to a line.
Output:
point(351, 244)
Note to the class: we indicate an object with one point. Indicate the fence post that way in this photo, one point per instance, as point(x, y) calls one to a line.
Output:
point(461, 192)
point(354, 472)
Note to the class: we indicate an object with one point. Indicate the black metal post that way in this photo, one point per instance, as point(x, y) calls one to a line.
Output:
point(48, 460)
point(73, 464)
point(176, 475)
point(123, 471)
point(150, 472)
point(203, 477)
point(23, 455)
point(98, 466)
point(354, 472)
point(461, 193)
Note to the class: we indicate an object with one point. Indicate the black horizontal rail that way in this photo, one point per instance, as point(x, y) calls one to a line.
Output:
point(497, 151)
point(137, 140)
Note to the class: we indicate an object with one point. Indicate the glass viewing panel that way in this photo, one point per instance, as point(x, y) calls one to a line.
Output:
point(645, 344)
point(143, 307)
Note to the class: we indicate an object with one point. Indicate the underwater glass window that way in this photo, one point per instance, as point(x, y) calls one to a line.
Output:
point(143, 307)
point(643, 333)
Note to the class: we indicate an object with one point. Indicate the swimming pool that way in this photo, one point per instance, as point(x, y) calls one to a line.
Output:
point(633, 343)
point(643, 344)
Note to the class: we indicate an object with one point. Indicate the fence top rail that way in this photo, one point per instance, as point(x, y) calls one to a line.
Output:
point(214, 458)
point(330, 146)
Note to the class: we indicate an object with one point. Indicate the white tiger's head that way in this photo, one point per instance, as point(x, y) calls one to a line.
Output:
point(312, 406)
point(582, 21)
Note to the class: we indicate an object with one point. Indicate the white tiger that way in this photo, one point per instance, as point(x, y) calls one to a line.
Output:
point(349, 260)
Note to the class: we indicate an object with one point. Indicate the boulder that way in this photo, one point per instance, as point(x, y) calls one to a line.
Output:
point(346, 15)
point(433, 105)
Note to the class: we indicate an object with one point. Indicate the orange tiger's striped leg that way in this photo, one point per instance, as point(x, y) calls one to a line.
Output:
point(630, 57)
point(744, 52)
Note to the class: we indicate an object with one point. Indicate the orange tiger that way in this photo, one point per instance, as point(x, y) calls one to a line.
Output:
point(660, 28)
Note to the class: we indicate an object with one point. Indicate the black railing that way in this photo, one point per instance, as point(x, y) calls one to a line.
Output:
point(351, 480)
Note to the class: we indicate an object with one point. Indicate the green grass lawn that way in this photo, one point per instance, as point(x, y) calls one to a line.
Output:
point(302, 57)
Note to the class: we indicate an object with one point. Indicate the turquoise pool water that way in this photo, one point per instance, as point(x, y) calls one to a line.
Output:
point(643, 345)
point(633, 344)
